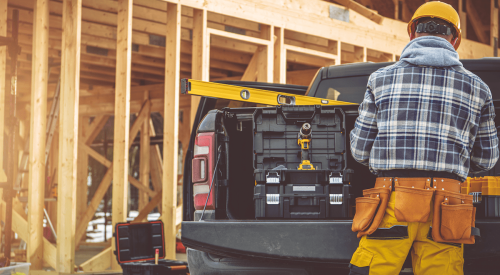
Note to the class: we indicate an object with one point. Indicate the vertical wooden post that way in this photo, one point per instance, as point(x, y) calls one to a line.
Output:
point(339, 53)
point(122, 116)
point(396, 9)
point(38, 125)
point(265, 65)
point(494, 27)
point(171, 125)
point(83, 172)
point(359, 54)
point(144, 158)
point(200, 67)
point(3, 69)
point(279, 56)
point(68, 135)
point(463, 18)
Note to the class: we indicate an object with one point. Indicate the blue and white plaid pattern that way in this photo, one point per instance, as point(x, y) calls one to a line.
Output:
point(424, 118)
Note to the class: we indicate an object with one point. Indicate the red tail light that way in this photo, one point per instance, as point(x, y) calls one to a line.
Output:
point(202, 170)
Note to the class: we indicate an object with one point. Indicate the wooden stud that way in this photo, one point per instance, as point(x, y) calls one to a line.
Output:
point(3, 68)
point(396, 9)
point(144, 169)
point(38, 120)
point(200, 57)
point(68, 136)
point(265, 67)
point(157, 169)
point(463, 18)
point(83, 169)
point(494, 27)
point(279, 56)
point(122, 116)
point(171, 127)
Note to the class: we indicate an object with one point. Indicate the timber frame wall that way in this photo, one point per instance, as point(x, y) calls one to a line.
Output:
point(117, 58)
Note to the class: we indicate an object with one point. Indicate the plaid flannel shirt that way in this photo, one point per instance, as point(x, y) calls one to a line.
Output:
point(426, 118)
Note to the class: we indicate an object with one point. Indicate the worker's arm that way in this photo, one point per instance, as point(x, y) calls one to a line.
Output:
point(485, 150)
point(365, 130)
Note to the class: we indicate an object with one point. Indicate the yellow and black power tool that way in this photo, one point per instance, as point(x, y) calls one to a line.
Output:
point(304, 140)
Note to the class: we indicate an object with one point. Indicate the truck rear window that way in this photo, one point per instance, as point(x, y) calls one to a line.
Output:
point(349, 89)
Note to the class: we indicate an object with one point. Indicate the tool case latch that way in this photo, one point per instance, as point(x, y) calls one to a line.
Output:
point(273, 177)
point(334, 179)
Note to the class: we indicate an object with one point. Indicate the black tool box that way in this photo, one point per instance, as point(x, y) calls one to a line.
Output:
point(284, 191)
point(136, 246)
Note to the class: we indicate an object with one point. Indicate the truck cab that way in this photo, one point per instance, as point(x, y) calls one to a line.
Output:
point(221, 231)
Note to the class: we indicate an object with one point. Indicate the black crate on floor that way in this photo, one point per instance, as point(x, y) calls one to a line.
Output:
point(136, 247)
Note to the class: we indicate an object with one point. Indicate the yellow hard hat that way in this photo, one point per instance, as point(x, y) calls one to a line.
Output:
point(439, 10)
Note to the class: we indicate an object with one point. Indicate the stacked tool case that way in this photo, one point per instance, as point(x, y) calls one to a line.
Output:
point(135, 250)
point(486, 195)
point(283, 191)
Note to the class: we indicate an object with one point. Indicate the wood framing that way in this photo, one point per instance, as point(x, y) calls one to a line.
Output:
point(494, 26)
point(200, 54)
point(145, 148)
point(38, 120)
point(122, 115)
point(279, 56)
point(68, 135)
point(476, 23)
point(82, 167)
point(3, 69)
point(250, 40)
point(171, 127)
point(463, 18)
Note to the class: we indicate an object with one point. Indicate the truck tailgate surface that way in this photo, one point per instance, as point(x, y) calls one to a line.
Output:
point(307, 241)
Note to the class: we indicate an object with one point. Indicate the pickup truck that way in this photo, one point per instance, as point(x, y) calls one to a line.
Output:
point(230, 240)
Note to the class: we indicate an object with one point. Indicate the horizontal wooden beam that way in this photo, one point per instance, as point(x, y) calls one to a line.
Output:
point(249, 39)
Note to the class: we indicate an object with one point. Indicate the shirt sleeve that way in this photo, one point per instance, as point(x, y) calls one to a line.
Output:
point(365, 129)
point(485, 150)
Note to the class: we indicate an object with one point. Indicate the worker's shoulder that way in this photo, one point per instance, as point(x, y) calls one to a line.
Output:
point(476, 80)
point(389, 69)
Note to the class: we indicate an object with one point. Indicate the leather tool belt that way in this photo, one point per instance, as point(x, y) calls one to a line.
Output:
point(453, 213)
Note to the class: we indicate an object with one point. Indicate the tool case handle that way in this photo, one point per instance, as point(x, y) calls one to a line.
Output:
point(286, 112)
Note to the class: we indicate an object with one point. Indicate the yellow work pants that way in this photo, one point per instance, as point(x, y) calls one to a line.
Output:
point(385, 251)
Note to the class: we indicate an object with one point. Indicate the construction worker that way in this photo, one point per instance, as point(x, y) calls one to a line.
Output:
point(425, 122)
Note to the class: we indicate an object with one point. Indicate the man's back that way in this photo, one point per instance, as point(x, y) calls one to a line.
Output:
point(433, 116)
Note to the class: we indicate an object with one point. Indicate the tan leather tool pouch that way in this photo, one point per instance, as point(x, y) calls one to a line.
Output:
point(365, 212)
point(369, 215)
point(454, 218)
point(412, 205)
